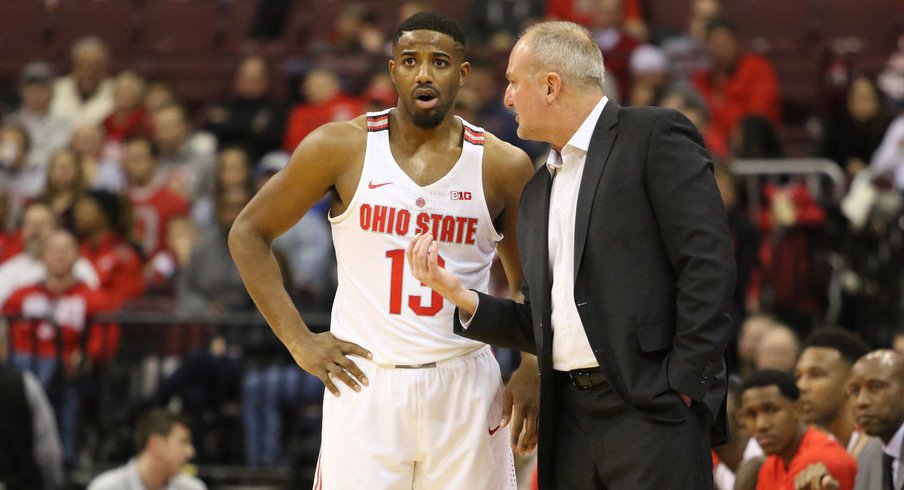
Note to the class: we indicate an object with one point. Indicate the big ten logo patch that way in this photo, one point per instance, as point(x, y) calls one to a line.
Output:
point(461, 195)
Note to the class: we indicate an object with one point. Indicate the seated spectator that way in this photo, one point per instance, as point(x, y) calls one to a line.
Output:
point(47, 132)
point(777, 349)
point(164, 445)
point(251, 118)
point(324, 101)
point(355, 47)
point(24, 182)
point(164, 267)
point(128, 117)
point(27, 268)
point(738, 83)
point(795, 454)
point(30, 452)
point(186, 156)
point(753, 328)
point(64, 185)
point(876, 388)
point(10, 238)
point(85, 95)
point(211, 284)
point(850, 138)
point(615, 42)
point(755, 137)
point(688, 101)
point(49, 320)
point(233, 169)
point(822, 374)
point(102, 222)
point(888, 160)
point(101, 163)
point(153, 204)
point(158, 94)
point(649, 75)
point(686, 52)
point(583, 12)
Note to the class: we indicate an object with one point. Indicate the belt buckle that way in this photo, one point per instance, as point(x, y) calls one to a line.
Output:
point(577, 384)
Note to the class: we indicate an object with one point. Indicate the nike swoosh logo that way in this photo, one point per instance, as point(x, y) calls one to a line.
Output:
point(371, 185)
point(494, 429)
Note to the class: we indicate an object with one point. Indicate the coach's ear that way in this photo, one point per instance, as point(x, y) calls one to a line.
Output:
point(553, 86)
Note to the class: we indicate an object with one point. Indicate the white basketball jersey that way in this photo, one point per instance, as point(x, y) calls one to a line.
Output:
point(379, 304)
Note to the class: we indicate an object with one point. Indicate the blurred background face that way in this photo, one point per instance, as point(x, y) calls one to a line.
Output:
point(12, 148)
point(174, 450)
point(252, 80)
point(320, 86)
point(821, 377)
point(863, 100)
point(36, 97)
point(722, 46)
point(157, 95)
point(770, 418)
point(877, 395)
point(128, 92)
point(234, 168)
point(139, 164)
point(89, 68)
point(777, 349)
point(171, 130)
point(60, 254)
point(63, 170)
point(88, 140)
point(88, 216)
point(37, 224)
point(607, 13)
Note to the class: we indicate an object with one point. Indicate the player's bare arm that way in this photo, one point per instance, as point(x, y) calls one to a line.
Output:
point(328, 160)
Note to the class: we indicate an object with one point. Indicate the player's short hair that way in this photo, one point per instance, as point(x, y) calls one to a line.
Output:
point(156, 422)
point(785, 382)
point(567, 49)
point(431, 21)
point(847, 343)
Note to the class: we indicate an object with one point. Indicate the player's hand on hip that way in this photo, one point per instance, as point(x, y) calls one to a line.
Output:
point(815, 477)
point(521, 406)
point(326, 357)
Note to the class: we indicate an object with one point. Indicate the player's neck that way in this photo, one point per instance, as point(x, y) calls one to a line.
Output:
point(404, 129)
point(842, 426)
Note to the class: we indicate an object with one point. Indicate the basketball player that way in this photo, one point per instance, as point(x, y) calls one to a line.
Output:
point(418, 407)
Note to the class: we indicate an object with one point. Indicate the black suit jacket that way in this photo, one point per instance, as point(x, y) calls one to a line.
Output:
point(654, 272)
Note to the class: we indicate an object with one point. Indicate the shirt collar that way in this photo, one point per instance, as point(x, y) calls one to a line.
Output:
point(893, 448)
point(580, 139)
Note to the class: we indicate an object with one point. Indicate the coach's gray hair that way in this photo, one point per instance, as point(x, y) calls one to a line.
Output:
point(567, 49)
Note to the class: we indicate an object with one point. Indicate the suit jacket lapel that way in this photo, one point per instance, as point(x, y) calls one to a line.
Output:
point(597, 154)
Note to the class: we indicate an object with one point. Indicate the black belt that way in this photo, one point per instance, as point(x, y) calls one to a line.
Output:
point(586, 378)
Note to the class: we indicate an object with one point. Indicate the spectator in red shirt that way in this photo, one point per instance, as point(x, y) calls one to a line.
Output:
point(128, 117)
point(324, 102)
point(737, 83)
point(49, 319)
point(615, 42)
point(102, 224)
point(796, 455)
point(154, 204)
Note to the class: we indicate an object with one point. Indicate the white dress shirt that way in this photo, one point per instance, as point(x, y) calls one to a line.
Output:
point(570, 347)
point(893, 449)
point(888, 159)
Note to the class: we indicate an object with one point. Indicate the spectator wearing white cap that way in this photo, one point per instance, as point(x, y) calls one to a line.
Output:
point(48, 132)
point(649, 70)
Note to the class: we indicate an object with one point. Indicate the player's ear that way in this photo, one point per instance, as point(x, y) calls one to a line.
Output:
point(392, 71)
point(464, 73)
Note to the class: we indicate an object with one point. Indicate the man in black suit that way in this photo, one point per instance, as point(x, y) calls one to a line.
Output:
point(628, 276)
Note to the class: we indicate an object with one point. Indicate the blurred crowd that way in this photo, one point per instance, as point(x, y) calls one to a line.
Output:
point(117, 194)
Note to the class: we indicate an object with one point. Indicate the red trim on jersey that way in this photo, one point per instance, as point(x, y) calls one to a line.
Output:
point(473, 137)
point(377, 123)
